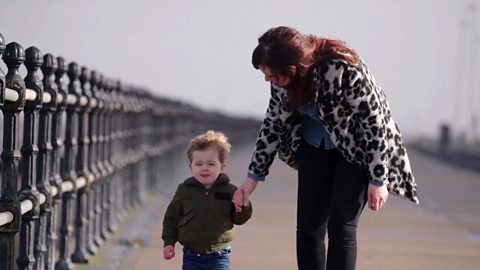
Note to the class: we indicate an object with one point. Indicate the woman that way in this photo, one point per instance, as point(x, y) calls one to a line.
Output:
point(328, 119)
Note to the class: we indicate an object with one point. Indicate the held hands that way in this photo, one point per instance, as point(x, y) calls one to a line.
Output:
point(241, 196)
point(377, 197)
point(168, 252)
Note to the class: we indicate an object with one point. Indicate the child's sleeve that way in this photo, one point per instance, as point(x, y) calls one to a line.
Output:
point(171, 219)
point(242, 217)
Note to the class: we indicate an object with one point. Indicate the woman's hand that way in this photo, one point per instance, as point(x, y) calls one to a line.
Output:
point(168, 252)
point(377, 196)
point(242, 194)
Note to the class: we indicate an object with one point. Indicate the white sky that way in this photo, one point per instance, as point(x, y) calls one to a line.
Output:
point(200, 51)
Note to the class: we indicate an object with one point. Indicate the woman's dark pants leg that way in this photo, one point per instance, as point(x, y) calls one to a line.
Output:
point(331, 197)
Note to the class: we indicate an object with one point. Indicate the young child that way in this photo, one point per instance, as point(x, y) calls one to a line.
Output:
point(201, 214)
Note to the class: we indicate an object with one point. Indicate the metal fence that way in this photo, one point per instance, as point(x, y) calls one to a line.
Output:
point(91, 147)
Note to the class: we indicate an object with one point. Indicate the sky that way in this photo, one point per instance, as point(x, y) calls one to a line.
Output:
point(419, 51)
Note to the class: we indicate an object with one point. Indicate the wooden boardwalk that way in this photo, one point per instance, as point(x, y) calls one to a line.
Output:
point(443, 232)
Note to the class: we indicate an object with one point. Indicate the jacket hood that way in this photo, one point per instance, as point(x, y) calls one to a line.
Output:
point(221, 180)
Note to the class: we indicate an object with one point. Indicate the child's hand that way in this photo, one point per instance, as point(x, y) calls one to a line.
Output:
point(238, 208)
point(242, 194)
point(238, 199)
point(168, 252)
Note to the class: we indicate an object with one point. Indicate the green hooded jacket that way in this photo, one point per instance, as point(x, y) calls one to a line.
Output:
point(202, 219)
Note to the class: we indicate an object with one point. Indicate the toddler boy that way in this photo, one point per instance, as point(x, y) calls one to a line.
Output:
point(201, 215)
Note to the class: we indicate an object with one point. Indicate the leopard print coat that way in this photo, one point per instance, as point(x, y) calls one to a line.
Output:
point(356, 115)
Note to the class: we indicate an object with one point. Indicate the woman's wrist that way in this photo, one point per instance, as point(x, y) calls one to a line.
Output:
point(251, 175)
point(378, 183)
point(250, 185)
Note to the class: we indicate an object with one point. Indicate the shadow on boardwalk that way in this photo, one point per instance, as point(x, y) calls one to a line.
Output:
point(443, 232)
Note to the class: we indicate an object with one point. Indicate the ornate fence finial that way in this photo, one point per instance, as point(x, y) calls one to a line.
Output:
point(14, 56)
point(60, 80)
point(49, 67)
point(33, 62)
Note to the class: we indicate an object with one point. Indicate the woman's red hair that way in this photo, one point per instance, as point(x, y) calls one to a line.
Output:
point(282, 47)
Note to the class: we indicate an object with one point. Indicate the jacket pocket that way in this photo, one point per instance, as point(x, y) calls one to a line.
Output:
point(186, 219)
point(222, 223)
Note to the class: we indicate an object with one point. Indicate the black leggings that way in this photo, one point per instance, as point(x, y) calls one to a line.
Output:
point(331, 197)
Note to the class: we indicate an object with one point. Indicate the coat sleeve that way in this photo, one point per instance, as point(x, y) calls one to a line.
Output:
point(172, 219)
point(267, 143)
point(244, 216)
point(370, 108)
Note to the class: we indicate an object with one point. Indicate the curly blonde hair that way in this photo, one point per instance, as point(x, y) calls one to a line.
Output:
point(209, 139)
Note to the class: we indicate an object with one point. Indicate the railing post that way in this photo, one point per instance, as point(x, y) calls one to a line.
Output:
point(130, 188)
point(160, 127)
point(146, 114)
point(46, 159)
point(14, 56)
point(58, 109)
point(29, 243)
point(122, 151)
point(152, 144)
point(2, 75)
point(143, 145)
point(29, 152)
point(100, 161)
point(112, 155)
point(80, 255)
point(119, 153)
point(43, 236)
point(92, 162)
point(68, 167)
point(135, 146)
point(107, 192)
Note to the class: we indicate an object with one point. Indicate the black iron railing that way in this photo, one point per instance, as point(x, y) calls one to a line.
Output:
point(91, 147)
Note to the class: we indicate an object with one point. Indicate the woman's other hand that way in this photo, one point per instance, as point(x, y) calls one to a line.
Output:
point(241, 196)
point(377, 197)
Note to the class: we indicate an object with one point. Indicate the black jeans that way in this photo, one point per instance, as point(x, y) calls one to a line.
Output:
point(331, 197)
